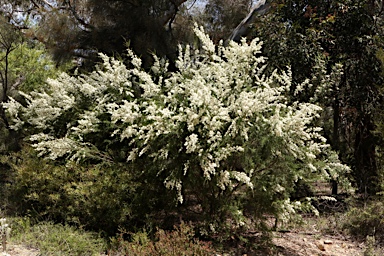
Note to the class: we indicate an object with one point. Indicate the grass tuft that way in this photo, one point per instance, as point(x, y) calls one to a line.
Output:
point(56, 239)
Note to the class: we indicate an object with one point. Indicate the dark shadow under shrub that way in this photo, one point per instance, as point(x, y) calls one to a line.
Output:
point(180, 241)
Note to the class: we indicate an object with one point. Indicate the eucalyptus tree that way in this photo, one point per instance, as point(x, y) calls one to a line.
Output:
point(229, 19)
point(220, 17)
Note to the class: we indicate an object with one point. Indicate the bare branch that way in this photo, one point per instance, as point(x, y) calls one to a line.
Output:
point(50, 6)
point(18, 82)
point(35, 4)
point(190, 7)
point(86, 25)
point(171, 12)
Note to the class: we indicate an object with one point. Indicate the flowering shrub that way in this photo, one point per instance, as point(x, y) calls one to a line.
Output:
point(218, 131)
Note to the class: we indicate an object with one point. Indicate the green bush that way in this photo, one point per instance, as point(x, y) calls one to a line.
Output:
point(56, 239)
point(96, 197)
point(362, 222)
point(178, 242)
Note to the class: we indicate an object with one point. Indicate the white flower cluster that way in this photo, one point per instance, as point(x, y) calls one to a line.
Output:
point(219, 105)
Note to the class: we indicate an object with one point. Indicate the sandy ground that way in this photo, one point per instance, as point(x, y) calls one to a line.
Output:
point(288, 244)
point(302, 244)
point(20, 250)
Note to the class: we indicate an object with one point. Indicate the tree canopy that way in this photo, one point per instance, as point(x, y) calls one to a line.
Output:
point(83, 28)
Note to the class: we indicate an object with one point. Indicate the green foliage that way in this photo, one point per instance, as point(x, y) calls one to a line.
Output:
point(180, 241)
point(31, 63)
point(9, 141)
point(56, 239)
point(95, 197)
point(338, 32)
point(362, 222)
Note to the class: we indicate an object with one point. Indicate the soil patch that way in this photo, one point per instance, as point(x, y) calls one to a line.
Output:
point(309, 244)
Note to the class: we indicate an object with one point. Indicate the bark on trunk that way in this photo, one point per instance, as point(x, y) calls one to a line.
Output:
point(366, 172)
point(336, 136)
point(241, 30)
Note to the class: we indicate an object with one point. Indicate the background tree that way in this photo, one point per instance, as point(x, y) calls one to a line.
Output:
point(24, 66)
point(219, 18)
point(9, 41)
point(82, 28)
point(303, 34)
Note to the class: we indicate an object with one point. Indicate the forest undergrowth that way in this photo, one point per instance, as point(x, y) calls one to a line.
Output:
point(355, 230)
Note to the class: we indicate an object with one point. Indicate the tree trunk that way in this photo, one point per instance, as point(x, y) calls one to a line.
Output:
point(242, 29)
point(336, 135)
point(366, 172)
point(5, 89)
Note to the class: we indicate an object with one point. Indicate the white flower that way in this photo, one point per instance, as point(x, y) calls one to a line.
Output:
point(225, 180)
point(192, 143)
point(279, 188)
point(207, 43)
point(243, 178)
point(175, 184)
